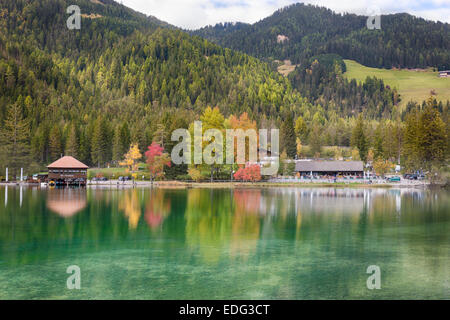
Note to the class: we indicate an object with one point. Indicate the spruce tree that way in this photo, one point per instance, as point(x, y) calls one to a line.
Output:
point(288, 137)
point(121, 142)
point(432, 137)
point(72, 144)
point(55, 143)
point(14, 143)
point(117, 146)
point(125, 138)
point(359, 139)
point(411, 146)
point(100, 142)
point(315, 140)
point(378, 143)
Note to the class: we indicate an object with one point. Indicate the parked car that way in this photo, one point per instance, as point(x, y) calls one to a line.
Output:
point(124, 178)
point(103, 179)
point(395, 179)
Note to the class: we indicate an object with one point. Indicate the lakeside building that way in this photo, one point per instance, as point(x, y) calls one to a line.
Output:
point(329, 168)
point(67, 171)
point(444, 74)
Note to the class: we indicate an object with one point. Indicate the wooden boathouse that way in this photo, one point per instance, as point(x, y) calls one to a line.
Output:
point(67, 171)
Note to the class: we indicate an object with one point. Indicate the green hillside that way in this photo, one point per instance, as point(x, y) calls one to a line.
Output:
point(412, 85)
point(405, 41)
point(122, 77)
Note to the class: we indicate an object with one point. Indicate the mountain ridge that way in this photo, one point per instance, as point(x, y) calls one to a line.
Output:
point(316, 30)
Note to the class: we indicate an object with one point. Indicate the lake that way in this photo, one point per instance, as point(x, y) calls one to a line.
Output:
point(268, 243)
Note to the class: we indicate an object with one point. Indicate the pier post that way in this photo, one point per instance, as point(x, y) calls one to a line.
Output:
point(6, 174)
point(21, 174)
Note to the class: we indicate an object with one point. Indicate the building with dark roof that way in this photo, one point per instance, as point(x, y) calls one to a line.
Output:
point(444, 74)
point(329, 168)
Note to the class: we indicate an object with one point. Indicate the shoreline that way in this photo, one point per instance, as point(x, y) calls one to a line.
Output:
point(114, 184)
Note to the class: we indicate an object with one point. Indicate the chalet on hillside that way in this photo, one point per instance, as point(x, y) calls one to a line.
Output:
point(67, 171)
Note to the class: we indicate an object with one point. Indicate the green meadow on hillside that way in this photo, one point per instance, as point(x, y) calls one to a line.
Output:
point(412, 85)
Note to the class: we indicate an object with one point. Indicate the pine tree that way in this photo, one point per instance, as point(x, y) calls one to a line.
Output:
point(84, 150)
point(14, 136)
point(315, 140)
point(116, 148)
point(121, 141)
point(288, 137)
point(55, 148)
point(410, 138)
point(359, 139)
point(125, 137)
point(72, 144)
point(159, 135)
point(378, 143)
point(100, 142)
point(432, 136)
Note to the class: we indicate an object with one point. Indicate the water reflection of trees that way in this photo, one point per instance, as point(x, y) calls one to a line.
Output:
point(245, 222)
point(130, 205)
point(157, 209)
point(208, 222)
point(223, 223)
point(326, 232)
point(293, 242)
point(94, 219)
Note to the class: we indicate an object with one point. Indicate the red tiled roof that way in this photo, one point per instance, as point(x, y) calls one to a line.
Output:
point(67, 162)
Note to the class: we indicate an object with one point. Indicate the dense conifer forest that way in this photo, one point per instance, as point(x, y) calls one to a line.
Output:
point(404, 41)
point(126, 78)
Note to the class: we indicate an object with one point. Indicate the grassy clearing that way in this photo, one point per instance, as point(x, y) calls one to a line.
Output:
point(114, 173)
point(411, 84)
point(286, 68)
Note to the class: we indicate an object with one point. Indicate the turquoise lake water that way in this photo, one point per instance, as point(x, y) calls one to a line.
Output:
point(269, 243)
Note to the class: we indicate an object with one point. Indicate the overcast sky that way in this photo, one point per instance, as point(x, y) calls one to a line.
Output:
point(193, 14)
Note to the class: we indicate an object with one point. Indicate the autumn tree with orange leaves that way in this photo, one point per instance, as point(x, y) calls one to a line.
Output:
point(250, 173)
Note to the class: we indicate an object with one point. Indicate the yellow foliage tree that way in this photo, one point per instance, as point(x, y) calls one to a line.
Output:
point(355, 155)
point(337, 153)
point(195, 174)
point(370, 155)
point(132, 158)
point(299, 147)
point(382, 167)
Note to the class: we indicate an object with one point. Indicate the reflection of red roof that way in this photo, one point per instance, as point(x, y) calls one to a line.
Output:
point(67, 162)
point(66, 202)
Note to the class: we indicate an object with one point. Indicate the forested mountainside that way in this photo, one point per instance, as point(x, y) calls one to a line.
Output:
point(317, 40)
point(125, 78)
point(320, 79)
point(43, 24)
point(404, 41)
point(121, 70)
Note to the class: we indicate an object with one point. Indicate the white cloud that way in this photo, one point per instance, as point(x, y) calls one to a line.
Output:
point(193, 14)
